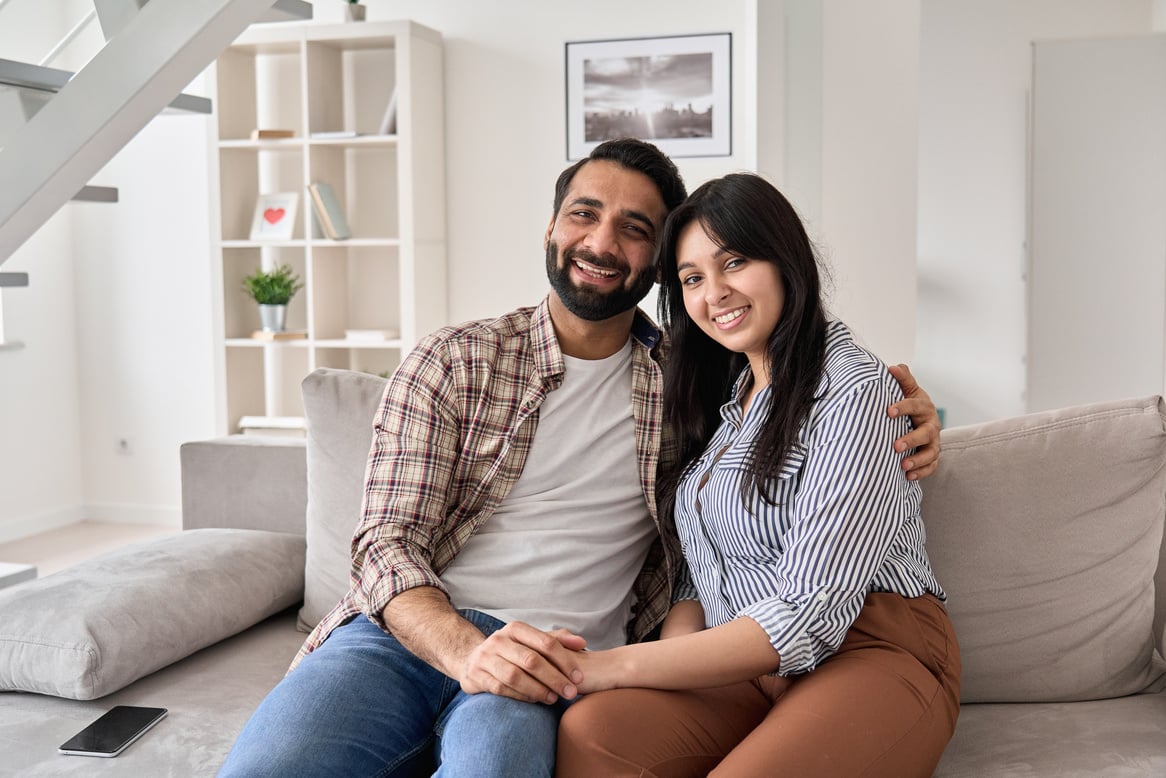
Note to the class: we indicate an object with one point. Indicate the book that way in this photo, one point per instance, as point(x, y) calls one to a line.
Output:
point(389, 121)
point(269, 134)
point(280, 335)
point(329, 214)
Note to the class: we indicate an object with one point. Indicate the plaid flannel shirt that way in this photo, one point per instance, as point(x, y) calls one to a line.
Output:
point(451, 438)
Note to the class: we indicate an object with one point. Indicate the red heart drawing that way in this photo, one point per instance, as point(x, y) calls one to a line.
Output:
point(273, 215)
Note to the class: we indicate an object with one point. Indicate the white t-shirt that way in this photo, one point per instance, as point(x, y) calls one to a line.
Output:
point(565, 546)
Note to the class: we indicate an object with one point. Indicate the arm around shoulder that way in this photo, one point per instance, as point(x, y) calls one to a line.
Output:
point(924, 438)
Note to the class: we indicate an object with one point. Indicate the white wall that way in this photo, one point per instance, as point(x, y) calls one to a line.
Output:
point(505, 123)
point(116, 359)
point(41, 473)
point(870, 111)
point(115, 322)
point(143, 304)
point(975, 72)
point(132, 351)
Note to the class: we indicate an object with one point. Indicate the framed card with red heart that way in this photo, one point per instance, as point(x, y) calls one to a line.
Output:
point(275, 216)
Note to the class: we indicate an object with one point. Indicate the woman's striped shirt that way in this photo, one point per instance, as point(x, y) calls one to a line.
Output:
point(846, 519)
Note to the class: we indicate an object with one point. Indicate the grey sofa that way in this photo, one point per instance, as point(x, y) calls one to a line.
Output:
point(1046, 530)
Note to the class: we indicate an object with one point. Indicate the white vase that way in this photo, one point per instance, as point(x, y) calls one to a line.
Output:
point(273, 318)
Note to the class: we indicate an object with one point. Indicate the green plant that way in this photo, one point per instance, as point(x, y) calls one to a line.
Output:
point(274, 287)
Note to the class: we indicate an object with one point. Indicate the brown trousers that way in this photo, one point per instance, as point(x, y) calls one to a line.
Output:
point(884, 705)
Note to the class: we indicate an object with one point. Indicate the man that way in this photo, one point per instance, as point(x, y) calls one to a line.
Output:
point(509, 515)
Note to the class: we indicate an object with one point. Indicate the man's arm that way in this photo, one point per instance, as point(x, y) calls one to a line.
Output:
point(517, 661)
point(924, 438)
point(408, 493)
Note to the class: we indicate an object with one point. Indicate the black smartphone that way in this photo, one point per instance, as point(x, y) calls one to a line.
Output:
point(113, 732)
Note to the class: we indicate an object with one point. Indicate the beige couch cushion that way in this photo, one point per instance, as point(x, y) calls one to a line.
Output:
point(1045, 531)
point(339, 407)
point(93, 628)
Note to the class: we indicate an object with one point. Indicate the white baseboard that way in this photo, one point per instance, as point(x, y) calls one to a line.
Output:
point(15, 529)
point(23, 527)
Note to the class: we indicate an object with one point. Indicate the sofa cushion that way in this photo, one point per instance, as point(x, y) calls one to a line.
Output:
point(339, 408)
point(93, 628)
point(1045, 531)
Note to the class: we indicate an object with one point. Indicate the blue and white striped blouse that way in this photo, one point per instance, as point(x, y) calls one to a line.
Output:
point(846, 520)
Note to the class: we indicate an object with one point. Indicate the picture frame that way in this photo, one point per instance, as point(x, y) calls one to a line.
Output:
point(275, 216)
point(673, 91)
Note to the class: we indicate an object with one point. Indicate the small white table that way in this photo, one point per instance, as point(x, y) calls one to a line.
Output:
point(12, 573)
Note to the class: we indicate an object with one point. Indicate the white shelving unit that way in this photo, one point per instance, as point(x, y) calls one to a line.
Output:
point(391, 274)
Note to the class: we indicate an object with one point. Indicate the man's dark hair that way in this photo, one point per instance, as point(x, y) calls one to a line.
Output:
point(634, 155)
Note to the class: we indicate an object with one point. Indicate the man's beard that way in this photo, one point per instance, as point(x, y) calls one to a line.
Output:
point(587, 302)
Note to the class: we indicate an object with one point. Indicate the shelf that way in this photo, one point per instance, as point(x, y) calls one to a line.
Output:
point(264, 144)
point(257, 343)
point(342, 343)
point(356, 142)
point(391, 275)
point(259, 244)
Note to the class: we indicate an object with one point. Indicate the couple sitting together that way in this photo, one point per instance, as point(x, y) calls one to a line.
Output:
point(587, 549)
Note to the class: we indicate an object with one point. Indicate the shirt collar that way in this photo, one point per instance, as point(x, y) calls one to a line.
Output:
point(731, 410)
point(548, 356)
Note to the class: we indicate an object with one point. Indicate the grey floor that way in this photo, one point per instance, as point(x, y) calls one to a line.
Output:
point(64, 546)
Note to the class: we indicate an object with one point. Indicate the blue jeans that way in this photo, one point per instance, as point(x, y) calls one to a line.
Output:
point(362, 705)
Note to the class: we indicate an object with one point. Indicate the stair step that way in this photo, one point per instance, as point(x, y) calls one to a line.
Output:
point(96, 194)
point(288, 11)
point(13, 279)
point(22, 75)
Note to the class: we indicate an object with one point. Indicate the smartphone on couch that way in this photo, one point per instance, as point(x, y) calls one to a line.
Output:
point(113, 732)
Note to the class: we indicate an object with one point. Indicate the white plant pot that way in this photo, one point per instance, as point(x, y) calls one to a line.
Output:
point(354, 12)
point(273, 318)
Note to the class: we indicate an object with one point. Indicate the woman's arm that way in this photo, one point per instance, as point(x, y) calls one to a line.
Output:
point(734, 651)
point(686, 617)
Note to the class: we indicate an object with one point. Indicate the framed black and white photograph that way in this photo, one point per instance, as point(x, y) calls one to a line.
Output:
point(673, 91)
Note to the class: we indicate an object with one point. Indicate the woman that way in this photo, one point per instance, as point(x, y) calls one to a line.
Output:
point(819, 644)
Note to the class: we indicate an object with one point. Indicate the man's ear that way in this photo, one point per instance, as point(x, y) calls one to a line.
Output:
point(547, 234)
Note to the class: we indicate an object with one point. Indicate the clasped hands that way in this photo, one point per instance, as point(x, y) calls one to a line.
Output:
point(528, 664)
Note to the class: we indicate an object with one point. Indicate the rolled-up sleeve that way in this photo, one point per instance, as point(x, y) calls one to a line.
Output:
point(408, 478)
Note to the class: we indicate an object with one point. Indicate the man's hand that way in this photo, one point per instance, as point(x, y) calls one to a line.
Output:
point(925, 437)
point(525, 663)
point(517, 661)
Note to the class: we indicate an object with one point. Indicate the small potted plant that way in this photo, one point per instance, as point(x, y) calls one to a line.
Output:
point(273, 290)
point(354, 11)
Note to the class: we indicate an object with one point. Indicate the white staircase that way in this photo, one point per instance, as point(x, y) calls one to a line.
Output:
point(72, 124)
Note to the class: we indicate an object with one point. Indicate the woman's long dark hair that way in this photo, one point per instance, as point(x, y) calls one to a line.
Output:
point(745, 215)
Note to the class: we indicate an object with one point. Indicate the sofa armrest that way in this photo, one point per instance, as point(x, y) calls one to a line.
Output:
point(245, 482)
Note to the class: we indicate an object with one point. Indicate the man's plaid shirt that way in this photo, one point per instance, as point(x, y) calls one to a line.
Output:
point(451, 438)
